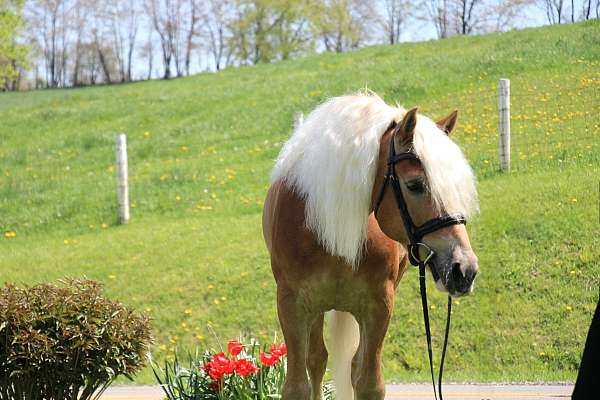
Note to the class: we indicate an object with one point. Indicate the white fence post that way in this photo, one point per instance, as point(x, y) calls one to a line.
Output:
point(504, 123)
point(122, 184)
point(298, 119)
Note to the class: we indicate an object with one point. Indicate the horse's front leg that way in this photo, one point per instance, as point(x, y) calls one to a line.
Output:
point(295, 324)
point(368, 379)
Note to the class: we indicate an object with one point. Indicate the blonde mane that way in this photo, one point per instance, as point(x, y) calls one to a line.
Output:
point(331, 160)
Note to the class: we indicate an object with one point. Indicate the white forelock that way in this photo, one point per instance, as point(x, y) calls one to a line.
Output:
point(449, 177)
point(331, 160)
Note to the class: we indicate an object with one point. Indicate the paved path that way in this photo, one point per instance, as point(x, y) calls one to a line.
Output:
point(412, 392)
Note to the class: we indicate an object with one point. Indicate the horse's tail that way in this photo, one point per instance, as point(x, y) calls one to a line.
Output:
point(344, 336)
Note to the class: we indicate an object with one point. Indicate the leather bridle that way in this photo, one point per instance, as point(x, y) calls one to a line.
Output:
point(415, 236)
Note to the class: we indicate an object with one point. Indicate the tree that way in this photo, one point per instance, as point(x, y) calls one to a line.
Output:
point(438, 12)
point(192, 32)
point(79, 22)
point(49, 22)
point(503, 15)
point(554, 10)
point(148, 52)
point(590, 9)
point(291, 33)
point(166, 19)
point(13, 55)
point(467, 17)
point(342, 24)
point(89, 65)
point(218, 19)
point(123, 17)
point(396, 13)
point(268, 30)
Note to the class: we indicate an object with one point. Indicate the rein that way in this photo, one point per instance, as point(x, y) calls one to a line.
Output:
point(415, 235)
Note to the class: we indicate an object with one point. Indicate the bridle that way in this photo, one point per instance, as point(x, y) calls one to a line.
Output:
point(415, 236)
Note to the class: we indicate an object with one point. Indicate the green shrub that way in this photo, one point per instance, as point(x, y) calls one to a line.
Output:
point(67, 341)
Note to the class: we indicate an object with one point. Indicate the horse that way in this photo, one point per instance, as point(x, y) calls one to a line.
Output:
point(338, 244)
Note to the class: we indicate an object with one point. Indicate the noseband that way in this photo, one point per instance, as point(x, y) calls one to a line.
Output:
point(415, 237)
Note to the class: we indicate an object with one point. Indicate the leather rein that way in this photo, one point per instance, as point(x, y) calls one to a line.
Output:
point(415, 235)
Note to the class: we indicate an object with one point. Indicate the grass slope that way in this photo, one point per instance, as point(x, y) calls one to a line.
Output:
point(201, 149)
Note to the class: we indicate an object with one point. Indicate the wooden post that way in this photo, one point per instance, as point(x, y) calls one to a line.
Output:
point(504, 123)
point(298, 119)
point(122, 184)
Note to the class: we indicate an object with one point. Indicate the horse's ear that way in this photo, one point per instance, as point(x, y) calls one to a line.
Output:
point(447, 124)
point(405, 130)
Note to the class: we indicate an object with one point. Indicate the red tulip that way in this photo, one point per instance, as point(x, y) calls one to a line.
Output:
point(234, 347)
point(219, 365)
point(268, 359)
point(244, 367)
point(280, 350)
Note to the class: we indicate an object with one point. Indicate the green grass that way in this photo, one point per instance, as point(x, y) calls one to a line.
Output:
point(200, 152)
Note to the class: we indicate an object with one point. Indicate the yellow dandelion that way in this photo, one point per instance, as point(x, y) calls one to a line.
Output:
point(199, 337)
point(210, 286)
point(10, 234)
point(188, 311)
point(184, 148)
point(104, 226)
point(146, 134)
point(112, 276)
point(216, 302)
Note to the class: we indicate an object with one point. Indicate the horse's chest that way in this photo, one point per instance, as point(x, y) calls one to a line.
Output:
point(335, 288)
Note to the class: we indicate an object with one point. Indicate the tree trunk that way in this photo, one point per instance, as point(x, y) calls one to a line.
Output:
point(129, 59)
point(103, 64)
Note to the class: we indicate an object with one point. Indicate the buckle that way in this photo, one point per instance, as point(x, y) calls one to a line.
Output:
point(414, 253)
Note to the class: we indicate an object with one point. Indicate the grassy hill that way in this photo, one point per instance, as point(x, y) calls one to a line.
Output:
point(201, 149)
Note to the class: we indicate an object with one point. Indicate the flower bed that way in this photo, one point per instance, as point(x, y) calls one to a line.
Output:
point(242, 372)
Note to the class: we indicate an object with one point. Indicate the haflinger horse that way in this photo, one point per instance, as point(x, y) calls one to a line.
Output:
point(330, 250)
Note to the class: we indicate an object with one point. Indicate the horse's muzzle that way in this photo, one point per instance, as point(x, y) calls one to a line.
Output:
point(462, 274)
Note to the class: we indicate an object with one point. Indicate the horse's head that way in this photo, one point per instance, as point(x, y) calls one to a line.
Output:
point(435, 181)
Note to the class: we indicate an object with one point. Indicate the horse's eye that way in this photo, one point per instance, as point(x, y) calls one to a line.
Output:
point(416, 186)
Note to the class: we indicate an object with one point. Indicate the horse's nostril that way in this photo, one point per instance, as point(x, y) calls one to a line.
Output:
point(457, 274)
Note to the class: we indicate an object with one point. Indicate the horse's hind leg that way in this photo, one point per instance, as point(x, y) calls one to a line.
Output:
point(317, 358)
point(295, 325)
